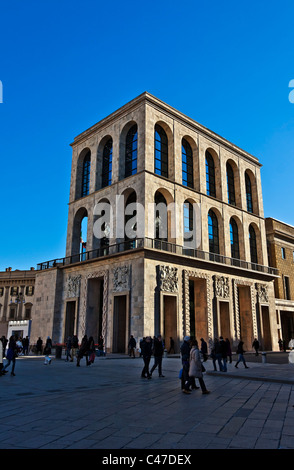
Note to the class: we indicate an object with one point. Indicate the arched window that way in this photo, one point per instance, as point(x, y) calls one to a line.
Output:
point(86, 174)
point(213, 233)
point(187, 164)
point(248, 193)
point(253, 246)
point(210, 175)
point(234, 237)
point(188, 221)
point(107, 164)
point(161, 229)
point(161, 152)
point(131, 151)
point(231, 185)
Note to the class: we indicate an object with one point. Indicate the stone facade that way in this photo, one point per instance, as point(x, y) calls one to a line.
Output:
point(280, 241)
point(151, 285)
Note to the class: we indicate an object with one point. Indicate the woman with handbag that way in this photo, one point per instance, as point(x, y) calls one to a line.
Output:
point(196, 367)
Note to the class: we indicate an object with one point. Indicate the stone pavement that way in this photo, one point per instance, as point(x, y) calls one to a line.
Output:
point(109, 406)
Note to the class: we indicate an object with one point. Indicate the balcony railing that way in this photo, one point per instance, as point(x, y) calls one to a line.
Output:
point(157, 245)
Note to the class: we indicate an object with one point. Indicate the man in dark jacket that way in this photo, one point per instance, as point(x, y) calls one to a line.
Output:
point(146, 348)
point(132, 346)
point(185, 353)
point(224, 353)
point(158, 349)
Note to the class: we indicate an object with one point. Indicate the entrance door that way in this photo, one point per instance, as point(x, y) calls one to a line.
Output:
point(267, 342)
point(119, 324)
point(245, 309)
point(170, 329)
point(69, 319)
point(224, 312)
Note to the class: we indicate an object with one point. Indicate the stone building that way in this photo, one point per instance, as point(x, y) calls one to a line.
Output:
point(197, 266)
point(17, 294)
point(280, 240)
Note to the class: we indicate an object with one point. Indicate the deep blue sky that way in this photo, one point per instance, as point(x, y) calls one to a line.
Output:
point(65, 65)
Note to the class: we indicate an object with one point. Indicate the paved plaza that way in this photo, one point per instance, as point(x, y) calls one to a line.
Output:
point(109, 406)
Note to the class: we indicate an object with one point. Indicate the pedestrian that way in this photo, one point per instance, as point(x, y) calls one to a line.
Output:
point(218, 354)
point(241, 352)
point(91, 351)
point(68, 349)
point(280, 344)
point(11, 355)
point(101, 346)
point(213, 353)
point(158, 348)
point(255, 345)
point(142, 340)
point(204, 349)
point(195, 367)
point(146, 354)
point(185, 353)
point(4, 341)
point(83, 350)
point(26, 344)
point(132, 346)
point(229, 350)
point(291, 344)
point(74, 347)
point(47, 351)
point(171, 346)
point(223, 351)
point(39, 346)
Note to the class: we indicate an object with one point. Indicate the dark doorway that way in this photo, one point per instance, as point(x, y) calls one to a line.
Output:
point(69, 319)
point(170, 329)
point(119, 324)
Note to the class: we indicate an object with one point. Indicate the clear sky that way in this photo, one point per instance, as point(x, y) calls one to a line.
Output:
point(65, 65)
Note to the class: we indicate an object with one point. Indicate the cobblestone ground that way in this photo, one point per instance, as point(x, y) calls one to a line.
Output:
point(109, 406)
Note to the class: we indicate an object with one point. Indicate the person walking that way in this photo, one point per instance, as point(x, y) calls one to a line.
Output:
point(83, 350)
point(213, 354)
point(185, 353)
point(47, 350)
point(39, 346)
point(241, 353)
point(204, 349)
point(11, 355)
point(218, 354)
point(229, 350)
point(223, 352)
point(146, 354)
point(171, 346)
point(255, 345)
point(90, 351)
point(26, 343)
point(74, 347)
point(101, 346)
point(195, 366)
point(132, 346)
point(68, 349)
point(158, 348)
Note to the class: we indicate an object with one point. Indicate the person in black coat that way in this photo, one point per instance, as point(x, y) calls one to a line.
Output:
point(11, 355)
point(241, 353)
point(146, 353)
point(158, 349)
point(132, 346)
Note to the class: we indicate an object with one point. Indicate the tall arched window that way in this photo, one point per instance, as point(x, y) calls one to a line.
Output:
point(107, 164)
point(161, 152)
point(231, 185)
point(213, 235)
point(130, 229)
point(248, 193)
point(210, 175)
point(253, 246)
point(161, 228)
point(187, 164)
point(86, 174)
point(131, 151)
point(188, 221)
point(234, 237)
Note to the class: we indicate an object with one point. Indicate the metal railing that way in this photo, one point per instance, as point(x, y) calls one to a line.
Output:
point(161, 245)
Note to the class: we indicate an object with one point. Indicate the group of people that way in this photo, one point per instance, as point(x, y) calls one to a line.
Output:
point(151, 347)
point(192, 365)
point(221, 353)
point(86, 349)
